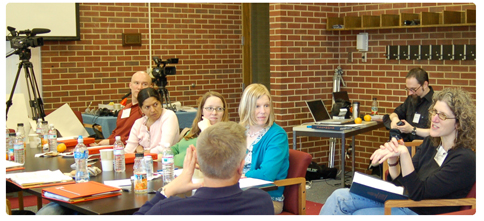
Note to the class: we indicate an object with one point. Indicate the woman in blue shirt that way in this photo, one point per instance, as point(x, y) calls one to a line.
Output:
point(268, 148)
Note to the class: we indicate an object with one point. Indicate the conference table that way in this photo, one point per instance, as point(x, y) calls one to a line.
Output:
point(108, 123)
point(366, 126)
point(124, 204)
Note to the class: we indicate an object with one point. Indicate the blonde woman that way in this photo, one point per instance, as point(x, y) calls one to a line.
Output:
point(268, 148)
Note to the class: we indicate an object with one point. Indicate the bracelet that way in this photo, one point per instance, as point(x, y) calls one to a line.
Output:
point(392, 165)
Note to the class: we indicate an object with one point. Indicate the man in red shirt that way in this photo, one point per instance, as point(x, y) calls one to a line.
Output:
point(131, 112)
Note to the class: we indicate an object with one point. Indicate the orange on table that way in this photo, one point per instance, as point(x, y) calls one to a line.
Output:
point(367, 117)
point(358, 120)
point(61, 147)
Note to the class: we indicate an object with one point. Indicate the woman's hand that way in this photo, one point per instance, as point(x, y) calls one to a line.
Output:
point(390, 150)
point(204, 123)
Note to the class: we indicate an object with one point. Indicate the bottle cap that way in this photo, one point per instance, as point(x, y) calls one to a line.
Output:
point(117, 137)
point(51, 125)
point(139, 155)
point(44, 122)
point(20, 124)
point(12, 134)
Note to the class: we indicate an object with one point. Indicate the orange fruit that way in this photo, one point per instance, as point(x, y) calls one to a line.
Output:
point(367, 117)
point(358, 120)
point(44, 141)
point(61, 147)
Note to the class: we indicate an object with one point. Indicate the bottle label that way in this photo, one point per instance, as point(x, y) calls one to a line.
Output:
point(167, 160)
point(18, 146)
point(140, 181)
point(118, 152)
point(80, 155)
point(374, 110)
point(52, 136)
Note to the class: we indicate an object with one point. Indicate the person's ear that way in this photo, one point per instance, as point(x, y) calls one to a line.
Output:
point(240, 169)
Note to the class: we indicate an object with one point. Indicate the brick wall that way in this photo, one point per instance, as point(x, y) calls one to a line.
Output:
point(304, 56)
point(207, 39)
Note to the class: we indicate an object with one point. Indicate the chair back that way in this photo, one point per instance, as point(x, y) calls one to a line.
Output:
point(471, 194)
point(298, 165)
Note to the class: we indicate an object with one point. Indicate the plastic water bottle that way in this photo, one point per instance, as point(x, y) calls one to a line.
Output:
point(38, 129)
point(167, 162)
point(45, 133)
point(140, 177)
point(149, 167)
point(52, 138)
point(80, 155)
point(118, 151)
point(18, 149)
point(374, 107)
point(21, 130)
point(10, 141)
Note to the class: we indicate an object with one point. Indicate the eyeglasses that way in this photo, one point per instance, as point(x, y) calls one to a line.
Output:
point(441, 115)
point(211, 109)
point(413, 90)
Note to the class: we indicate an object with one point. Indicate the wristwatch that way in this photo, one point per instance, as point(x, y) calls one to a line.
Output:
point(414, 131)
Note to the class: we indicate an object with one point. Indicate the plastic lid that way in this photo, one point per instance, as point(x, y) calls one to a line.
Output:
point(139, 155)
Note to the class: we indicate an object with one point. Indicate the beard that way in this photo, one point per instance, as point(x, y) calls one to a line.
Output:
point(415, 99)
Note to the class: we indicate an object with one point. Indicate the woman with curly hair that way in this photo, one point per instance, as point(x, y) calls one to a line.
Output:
point(444, 166)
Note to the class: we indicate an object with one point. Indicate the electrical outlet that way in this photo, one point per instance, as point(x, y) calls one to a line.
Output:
point(363, 57)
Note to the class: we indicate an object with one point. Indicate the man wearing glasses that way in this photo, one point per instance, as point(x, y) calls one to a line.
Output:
point(414, 112)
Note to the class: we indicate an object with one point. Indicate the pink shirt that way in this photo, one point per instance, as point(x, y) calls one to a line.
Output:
point(163, 130)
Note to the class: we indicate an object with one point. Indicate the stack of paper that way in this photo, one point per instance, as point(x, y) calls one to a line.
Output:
point(38, 178)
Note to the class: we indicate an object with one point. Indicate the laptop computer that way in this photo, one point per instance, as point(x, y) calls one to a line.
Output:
point(320, 113)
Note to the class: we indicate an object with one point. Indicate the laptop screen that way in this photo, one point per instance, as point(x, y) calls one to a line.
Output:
point(318, 110)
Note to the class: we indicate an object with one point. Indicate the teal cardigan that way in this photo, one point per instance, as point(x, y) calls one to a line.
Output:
point(270, 158)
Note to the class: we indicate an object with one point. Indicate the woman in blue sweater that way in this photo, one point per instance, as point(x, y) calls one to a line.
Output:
point(268, 148)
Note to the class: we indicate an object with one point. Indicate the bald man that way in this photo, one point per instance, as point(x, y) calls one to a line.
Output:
point(131, 112)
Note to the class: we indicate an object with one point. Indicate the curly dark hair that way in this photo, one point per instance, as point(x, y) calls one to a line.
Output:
point(464, 109)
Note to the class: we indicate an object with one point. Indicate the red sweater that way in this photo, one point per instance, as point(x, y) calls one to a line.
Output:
point(123, 125)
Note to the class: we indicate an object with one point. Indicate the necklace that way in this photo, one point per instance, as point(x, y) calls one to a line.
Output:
point(251, 135)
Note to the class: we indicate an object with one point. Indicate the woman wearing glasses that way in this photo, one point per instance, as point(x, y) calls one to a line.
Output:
point(211, 110)
point(444, 166)
point(268, 148)
point(157, 126)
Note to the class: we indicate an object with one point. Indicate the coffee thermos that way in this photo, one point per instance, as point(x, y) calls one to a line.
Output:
point(356, 109)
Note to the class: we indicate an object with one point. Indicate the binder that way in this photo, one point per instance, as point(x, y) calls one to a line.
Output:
point(375, 189)
point(80, 192)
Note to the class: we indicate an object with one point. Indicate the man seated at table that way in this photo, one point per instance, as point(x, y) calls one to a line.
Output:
point(129, 114)
point(220, 153)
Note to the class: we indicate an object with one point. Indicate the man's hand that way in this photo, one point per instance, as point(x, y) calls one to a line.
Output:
point(203, 124)
point(406, 128)
point(183, 183)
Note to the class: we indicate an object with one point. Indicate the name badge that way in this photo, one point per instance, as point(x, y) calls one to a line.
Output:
point(126, 113)
point(440, 156)
point(416, 118)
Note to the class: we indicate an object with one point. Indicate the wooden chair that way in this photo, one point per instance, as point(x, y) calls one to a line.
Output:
point(295, 183)
point(465, 203)
point(9, 210)
point(413, 145)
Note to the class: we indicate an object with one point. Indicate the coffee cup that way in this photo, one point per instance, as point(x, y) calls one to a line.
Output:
point(107, 159)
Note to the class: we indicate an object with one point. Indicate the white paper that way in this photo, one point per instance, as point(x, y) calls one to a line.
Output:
point(18, 113)
point(118, 183)
point(250, 182)
point(66, 122)
point(10, 164)
point(377, 183)
point(41, 177)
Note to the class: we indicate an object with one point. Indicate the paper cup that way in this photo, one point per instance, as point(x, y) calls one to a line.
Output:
point(34, 140)
point(106, 154)
point(107, 165)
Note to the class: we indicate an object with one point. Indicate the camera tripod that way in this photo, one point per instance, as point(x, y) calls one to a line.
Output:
point(164, 93)
point(36, 104)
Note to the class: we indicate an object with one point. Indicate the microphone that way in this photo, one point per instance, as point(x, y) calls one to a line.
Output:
point(127, 95)
point(40, 31)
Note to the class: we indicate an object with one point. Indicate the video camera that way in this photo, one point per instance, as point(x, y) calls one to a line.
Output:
point(159, 73)
point(29, 40)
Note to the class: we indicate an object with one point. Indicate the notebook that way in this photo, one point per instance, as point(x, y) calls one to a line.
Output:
point(79, 192)
point(320, 113)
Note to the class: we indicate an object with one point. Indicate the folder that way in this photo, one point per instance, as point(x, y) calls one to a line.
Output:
point(80, 192)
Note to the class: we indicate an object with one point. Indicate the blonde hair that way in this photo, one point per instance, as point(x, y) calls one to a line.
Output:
point(462, 106)
point(248, 102)
point(195, 130)
point(220, 149)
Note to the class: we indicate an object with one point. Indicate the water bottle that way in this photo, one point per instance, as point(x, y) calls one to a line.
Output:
point(118, 151)
point(80, 156)
point(149, 167)
point(374, 107)
point(167, 162)
point(45, 133)
point(38, 129)
point(140, 177)
point(21, 130)
point(10, 141)
point(18, 149)
point(52, 138)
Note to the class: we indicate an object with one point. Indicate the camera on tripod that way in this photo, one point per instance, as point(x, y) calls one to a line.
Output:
point(29, 40)
point(159, 73)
